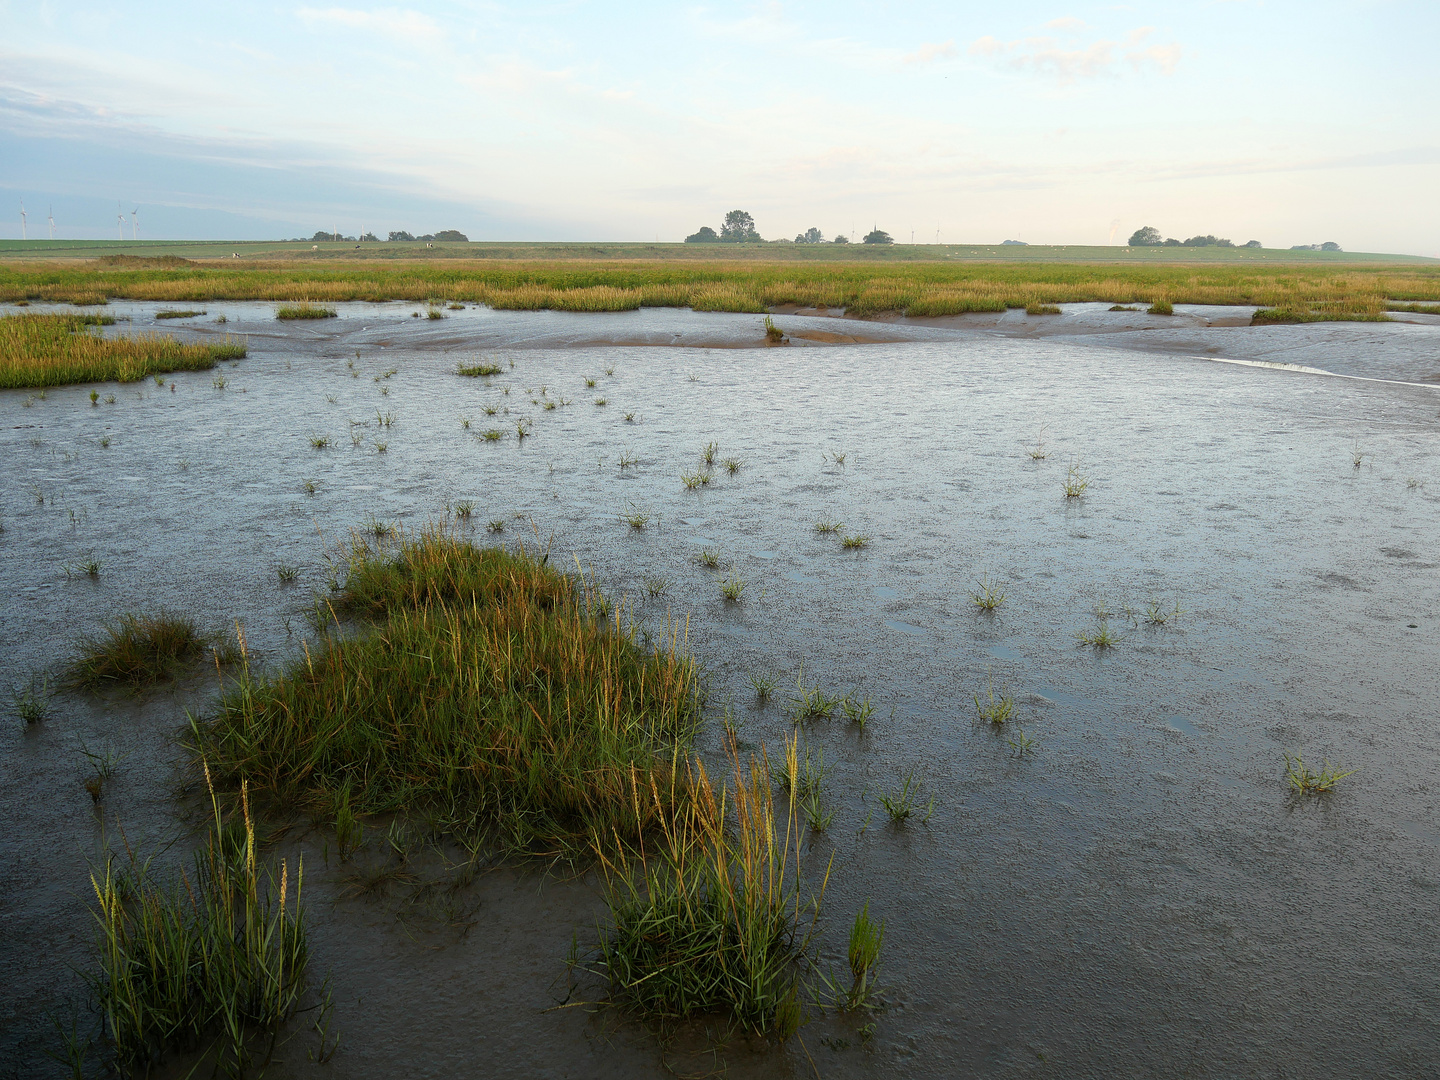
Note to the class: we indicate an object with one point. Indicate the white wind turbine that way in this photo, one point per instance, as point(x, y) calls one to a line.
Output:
point(51, 213)
point(135, 224)
point(23, 234)
point(120, 221)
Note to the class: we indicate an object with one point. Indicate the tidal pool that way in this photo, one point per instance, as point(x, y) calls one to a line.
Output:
point(1136, 896)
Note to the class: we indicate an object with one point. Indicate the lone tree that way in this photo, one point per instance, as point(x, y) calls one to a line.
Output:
point(1146, 236)
point(810, 236)
point(1330, 245)
point(877, 236)
point(739, 228)
point(706, 235)
point(400, 234)
point(840, 238)
point(452, 234)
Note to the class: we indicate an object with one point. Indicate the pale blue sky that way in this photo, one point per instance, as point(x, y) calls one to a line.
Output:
point(1050, 122)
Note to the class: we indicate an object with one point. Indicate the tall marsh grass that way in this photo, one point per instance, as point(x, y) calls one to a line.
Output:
point(213, 961)
point(713, 916)
point(56, 350)
point(496, 695)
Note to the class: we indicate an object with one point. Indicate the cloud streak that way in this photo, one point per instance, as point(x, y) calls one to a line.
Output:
point(1067, 61)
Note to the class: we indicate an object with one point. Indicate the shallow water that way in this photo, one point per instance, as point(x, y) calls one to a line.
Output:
point(1137, 897)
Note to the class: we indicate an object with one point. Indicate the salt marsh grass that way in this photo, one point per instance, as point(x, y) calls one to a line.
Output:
point(135, 651)
point(987, 597)
point(903, 803)
point(450, 637)
point(716, 916)
point(214, 960)
point(305, 310)
point(860, 283)
point(56, 350)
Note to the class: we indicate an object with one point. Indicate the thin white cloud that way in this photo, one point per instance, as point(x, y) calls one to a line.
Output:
point(1069, 61)
point(387, 22)
point(930, 52)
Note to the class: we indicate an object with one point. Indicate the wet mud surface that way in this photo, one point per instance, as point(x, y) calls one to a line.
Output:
point(1138, 896)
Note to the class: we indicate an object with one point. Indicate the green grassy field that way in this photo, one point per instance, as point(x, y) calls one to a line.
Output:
point(915, 280)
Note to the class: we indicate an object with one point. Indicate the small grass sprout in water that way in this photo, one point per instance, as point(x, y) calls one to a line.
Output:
point(492, 435)
point(708, 452)
point(857, 709)
point(319, 442)
point(32, 699)
point(478, 370)
point(709, 559)
point(657, 585)
point(1100, 636)
point(732, 588)
point(1075, 482)
point(636, 518)
point(1022, 744)
point(732, 465)
point(827, 527)
point(764, 686)
point(286, 573)
point(987, 597)
point(1039, 452)
point(1157, 614)
point(464, 508)
point(855, 542)
point(1304, 780)
point(996, 711)
point(904, 802)
point(496, 526)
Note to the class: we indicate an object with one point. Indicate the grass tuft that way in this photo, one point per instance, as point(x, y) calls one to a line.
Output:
point(986, 596)
point(135, 651)
point(714, 917)
point(478, 370)
point(305, 310)
point(215, 958)
point(1304, 780)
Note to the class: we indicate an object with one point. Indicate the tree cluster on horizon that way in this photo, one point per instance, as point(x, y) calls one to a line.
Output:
point(739, 228)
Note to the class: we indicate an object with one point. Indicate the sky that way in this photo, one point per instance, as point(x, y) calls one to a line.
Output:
point(1064, 123)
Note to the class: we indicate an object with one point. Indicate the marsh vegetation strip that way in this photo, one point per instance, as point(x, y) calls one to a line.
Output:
point(56, 350)
point(860, 288)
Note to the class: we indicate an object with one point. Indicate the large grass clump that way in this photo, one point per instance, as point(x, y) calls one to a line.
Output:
point(55, 350)
point(135, 651)
point(213, 961)
point(713, 918)
point(490, 692)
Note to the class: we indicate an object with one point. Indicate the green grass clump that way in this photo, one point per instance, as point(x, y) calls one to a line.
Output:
point(305, 310)
point(56, 350)
point(171, 314)
point(714, 919)
point(215, 960)
point(1162, 306)
point(136, 651)
point(1041, 309)
point(1304, 780)
point(489, 693)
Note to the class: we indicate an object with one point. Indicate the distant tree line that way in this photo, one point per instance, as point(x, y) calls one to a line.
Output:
point(331, 237)
point(739, 228)
point(1149, 236)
